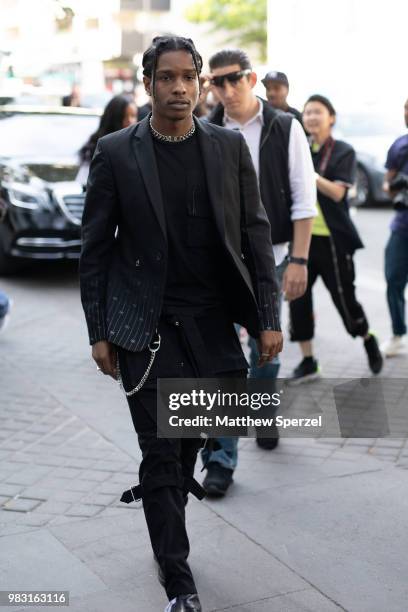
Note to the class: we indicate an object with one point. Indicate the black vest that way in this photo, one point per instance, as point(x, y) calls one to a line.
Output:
point(273, 169)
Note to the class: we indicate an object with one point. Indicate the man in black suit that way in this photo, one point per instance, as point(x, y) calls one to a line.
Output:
point(176, 247)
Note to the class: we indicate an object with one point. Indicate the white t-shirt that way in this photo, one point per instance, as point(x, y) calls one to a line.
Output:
point(301, 171)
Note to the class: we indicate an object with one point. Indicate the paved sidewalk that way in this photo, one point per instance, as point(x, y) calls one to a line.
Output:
point(314, 526)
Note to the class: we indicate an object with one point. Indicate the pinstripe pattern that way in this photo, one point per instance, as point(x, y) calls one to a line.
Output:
point(132, 315)
point(133, 305)
point(94, 310)
point(269, 313)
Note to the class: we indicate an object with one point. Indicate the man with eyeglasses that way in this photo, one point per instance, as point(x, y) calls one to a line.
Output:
point(281, 157)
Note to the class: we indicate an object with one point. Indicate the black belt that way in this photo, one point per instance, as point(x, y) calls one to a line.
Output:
point(190, 486)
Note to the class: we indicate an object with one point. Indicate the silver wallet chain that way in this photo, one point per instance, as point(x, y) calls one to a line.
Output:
point(153, 350)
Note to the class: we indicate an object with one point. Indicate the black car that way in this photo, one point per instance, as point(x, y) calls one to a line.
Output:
point(41, 203)
point(371, 134)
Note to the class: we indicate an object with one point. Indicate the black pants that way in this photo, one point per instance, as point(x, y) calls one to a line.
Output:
point(167, 464)
point(337, 271)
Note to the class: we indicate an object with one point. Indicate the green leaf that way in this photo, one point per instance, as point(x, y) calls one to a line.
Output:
point(246, 20)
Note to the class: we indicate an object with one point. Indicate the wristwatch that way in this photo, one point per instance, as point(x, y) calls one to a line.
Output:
point(297, 260)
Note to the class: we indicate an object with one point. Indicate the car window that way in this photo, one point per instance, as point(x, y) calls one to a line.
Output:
point(44, 136)
point(366, 124)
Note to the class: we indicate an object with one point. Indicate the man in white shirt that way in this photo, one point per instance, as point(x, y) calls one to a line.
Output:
point(281, 157)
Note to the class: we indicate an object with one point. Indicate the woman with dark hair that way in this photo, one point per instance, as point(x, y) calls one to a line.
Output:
point(119, 113)
point(334, 240)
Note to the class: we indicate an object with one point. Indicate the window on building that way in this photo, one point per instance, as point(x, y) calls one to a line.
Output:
point(92, 23)
point(132, 43)
point(160, 5)
point(149, 5)
point(64, 22)
point(13, 33)
point(132, 5)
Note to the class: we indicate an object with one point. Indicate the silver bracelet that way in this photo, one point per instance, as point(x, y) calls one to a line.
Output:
point(153, 350)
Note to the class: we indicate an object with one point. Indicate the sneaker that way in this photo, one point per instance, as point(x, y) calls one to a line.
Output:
point(375, 359)
point(269, 443)
point(397, 345)
point(307, 370)
point(217, 480)
point(184, 603)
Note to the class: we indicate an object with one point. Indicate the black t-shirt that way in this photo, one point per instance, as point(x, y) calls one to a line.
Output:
point(341, 168)
point(193, 272)
point(196, 271)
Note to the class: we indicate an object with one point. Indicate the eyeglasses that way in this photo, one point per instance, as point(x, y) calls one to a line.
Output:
point(231, 77)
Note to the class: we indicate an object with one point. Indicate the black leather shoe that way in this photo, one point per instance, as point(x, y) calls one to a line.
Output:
point(160, 573)
point(185, 603)
point(269, 443)
point(218, 479)
point(375, 359)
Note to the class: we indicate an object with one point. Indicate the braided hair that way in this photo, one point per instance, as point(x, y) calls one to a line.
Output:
point(163, 44)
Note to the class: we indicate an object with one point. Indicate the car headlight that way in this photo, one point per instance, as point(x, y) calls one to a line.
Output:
point(23, 196)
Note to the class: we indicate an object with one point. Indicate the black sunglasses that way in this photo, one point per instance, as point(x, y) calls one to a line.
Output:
point(232, 77)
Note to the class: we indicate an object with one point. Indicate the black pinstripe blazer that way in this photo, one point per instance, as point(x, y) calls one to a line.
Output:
point(124, 246)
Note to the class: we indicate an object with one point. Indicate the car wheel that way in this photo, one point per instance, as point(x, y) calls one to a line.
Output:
point(362, 193)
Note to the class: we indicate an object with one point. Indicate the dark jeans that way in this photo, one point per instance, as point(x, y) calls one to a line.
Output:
point(227, 453)
point(167, 464)
point(396, 274)
point(337, 271)
point(4, 305)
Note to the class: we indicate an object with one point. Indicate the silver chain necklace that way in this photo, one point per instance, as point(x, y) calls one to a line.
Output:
point(165, 138)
